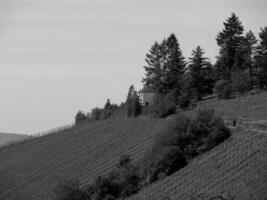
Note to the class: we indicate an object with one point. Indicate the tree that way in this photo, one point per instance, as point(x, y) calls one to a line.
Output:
point(197, 64)
point(154, 67)
point(262, 57)
point(80, 117)
point(250, 47)
point(174, 65)
point(133, 103)
point(165, 66)
point(108, 104)
point(229, 40)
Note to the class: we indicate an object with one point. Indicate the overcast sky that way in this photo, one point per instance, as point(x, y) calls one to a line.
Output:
point(61, 56)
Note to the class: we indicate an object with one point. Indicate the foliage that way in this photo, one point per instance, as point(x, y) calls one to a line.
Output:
point(69, 189)
point(197, 67)
point(262, 58)
point(223, 89)
point(133, 104)
point(80, 117)
point(96, 113)
point(193, 136)
point(229, 40)
point(165, 65)
point(240, 82)
point(163, 104)
point(161, 163)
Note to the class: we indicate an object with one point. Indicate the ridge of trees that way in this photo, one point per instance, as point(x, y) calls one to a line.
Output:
point(179, 84)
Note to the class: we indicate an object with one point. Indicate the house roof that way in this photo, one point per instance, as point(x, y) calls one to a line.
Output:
point(146, 89)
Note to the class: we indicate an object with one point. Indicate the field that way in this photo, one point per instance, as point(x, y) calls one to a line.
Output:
point(30, 170)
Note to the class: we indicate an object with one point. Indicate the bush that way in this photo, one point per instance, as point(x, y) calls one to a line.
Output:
point(69, 189)
point(162, 163)
point(96, 114)
point(80, 117)
point(192, 136)
point(240, 82)
point(223, 89)
point(163, 105)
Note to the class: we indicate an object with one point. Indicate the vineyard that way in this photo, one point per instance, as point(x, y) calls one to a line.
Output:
point(237, 167)
point(31, 169)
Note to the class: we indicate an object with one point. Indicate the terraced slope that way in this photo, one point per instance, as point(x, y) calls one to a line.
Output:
point(237, 167)
point(29, 171)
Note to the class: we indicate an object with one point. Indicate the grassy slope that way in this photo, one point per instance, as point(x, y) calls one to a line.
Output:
point(30, 170)
point(6, 138)
point(251, 106)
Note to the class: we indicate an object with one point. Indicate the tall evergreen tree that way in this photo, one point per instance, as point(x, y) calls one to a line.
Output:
point(262, 57)
point(174, 65)
point(133, 103)
point(229, 40)
point(249, 46)
point(154, 68)
point(197, 64)
point(165, 66)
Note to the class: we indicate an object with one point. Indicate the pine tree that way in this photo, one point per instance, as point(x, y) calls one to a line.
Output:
point(262, 57)
point(229, 39)
point(174, 65)
point(129, 101)
point(135, 105)
point(196, 67)
point(165, 66)
point(108, 104)
point(249, 47)
point(154, 68)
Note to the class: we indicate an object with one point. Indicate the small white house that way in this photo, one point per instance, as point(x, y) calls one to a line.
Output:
point(146, 95)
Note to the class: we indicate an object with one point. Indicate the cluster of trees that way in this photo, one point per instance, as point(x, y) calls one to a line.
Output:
point(241, 64)
point(180, 140)
point(130, 108)
point(179, 83)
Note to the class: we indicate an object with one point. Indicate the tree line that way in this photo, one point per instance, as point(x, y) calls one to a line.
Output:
point(240, 66)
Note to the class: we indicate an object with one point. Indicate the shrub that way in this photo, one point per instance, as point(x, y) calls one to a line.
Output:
point(240, 82)
point(69, 189)
point(223, 89)
point(206, 131)
point(163, 163)
point(163, 105)
point(192, 136)
point(80, 117)
point(96, 114)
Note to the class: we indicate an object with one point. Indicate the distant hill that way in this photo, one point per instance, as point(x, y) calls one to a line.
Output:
point(6, 138)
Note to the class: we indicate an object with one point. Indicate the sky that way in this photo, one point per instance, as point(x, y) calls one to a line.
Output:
point(61, 56)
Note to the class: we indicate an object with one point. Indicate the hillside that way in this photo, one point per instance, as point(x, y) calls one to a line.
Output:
point(237, 167)
point(6, 138)
point(30, 170)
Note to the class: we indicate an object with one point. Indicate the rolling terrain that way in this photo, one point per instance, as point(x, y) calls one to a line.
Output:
point(30, 170)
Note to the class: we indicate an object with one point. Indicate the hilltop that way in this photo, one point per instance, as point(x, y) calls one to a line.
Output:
point(30, 170)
